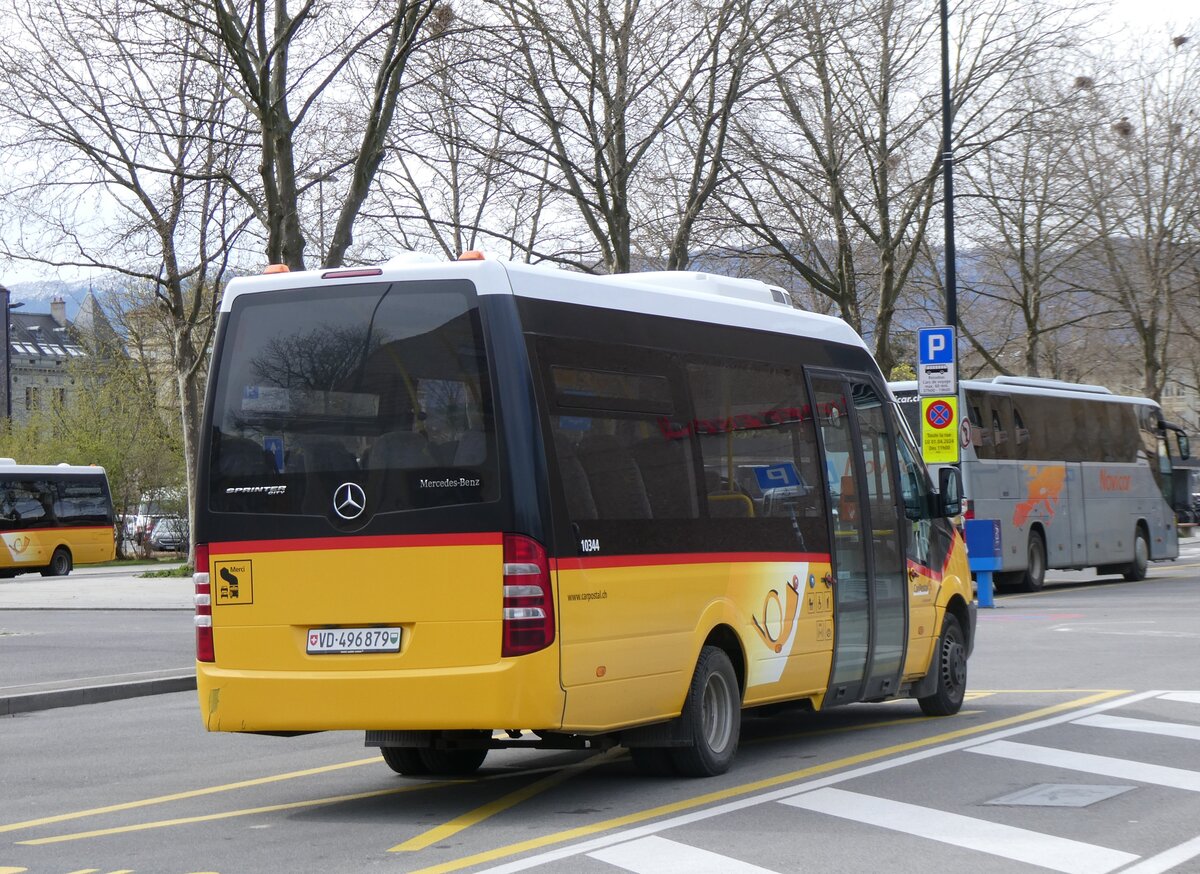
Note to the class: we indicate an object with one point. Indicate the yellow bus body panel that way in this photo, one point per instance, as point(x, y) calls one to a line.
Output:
point(448, 674)
point(631, 633)
point(33, 548)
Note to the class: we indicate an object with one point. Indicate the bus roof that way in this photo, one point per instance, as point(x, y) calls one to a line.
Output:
point(702, 297)
point(10, 466)
point(1030, 385)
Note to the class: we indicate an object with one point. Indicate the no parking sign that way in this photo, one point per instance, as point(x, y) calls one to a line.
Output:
point(939, 430)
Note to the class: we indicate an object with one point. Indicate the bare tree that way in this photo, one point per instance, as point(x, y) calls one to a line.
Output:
point(1138, 162)
point(1021, 210)
point(118, 121)
point(843, 182)
point(600, 101)
point(321, 84)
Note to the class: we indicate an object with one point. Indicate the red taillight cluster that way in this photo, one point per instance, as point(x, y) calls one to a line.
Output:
point(968, 508)
point(528, 600)
point(204, 633)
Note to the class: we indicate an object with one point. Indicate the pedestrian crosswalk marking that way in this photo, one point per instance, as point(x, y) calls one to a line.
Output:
point(1146, 726)
point(1022, 845)
point(1185, 697)
point(1105, 766)
point(655, 855)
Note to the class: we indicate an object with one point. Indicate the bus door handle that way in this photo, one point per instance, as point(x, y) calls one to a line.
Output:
point(913, 573)
point(829, 580)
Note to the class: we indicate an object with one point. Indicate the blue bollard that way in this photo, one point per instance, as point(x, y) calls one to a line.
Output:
point(983, 555)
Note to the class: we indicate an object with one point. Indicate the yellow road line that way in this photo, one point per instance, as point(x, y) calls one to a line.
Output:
point(229, 814)
point(13, 870)
point(479, 814)
point(179, 796)
point(757, 786)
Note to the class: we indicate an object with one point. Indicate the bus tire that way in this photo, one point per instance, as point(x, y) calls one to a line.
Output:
point(452, 763)
point(1034, 577)
point(404, 760)
point(951, 655)
point(712, 715)
point(654, 761)
point(60, 563)
point(1136, 569)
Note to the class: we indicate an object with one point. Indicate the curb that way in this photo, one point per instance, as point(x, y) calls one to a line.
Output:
point(49, 700)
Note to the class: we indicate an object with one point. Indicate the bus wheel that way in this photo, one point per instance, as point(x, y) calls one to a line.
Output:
point(654, 761)
point(60, 563)
point(951, 671)
point(712, 714)
point(1136, 569)
point(404, 760)
point(1035, 571)
point(452, 763)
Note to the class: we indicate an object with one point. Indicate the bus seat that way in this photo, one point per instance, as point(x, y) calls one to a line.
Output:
point(669, 477)
point(400, 449)
point(243, 457)
point(617, 485)
point(580, 504)
point(471, 449)
point(320, 456)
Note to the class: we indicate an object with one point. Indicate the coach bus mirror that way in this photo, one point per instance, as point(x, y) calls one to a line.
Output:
point(1185, 451)
point(950, 491)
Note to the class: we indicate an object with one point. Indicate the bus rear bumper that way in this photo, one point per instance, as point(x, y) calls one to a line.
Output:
point(522, 692)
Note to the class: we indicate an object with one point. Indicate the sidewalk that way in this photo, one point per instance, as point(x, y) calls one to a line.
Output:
point(58, 648)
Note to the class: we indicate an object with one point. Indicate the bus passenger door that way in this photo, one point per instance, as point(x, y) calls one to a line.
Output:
point(870, 595)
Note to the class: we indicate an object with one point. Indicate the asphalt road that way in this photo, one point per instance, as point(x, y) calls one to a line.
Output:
point(1078, 750)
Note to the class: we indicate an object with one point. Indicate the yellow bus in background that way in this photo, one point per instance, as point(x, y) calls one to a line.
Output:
point(471, 505)
point(53, 517)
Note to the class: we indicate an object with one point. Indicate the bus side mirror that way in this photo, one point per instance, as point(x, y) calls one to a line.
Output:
point(1184, 448)
point(950, 491)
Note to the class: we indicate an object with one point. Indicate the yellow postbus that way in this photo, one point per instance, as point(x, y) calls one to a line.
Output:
point(53, 517)
point(471, 505)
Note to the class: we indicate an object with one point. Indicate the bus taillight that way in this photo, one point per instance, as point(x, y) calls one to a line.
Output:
point(528, 600)
point(968, 508)
point(203, 598)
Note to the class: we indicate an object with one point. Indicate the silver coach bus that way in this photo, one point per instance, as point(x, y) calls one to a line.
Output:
point(1077, 476)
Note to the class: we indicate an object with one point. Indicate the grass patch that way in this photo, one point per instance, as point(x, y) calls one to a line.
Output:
point(183, 570)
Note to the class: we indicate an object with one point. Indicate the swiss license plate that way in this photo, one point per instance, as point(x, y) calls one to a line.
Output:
point(346, 640)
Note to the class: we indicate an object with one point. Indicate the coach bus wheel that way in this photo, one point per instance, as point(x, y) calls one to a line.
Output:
point(452, 763)
point(1035, 571)
point(951, 658)
point(712, 713)
point(60, 563)
point(404, 760)
point(1136, 569)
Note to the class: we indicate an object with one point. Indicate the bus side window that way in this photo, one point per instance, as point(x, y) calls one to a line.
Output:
point(1002, 425)
point(1020, 434)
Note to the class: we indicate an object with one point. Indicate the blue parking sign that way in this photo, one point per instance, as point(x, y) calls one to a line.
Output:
point(777, 476)
point(935, 345)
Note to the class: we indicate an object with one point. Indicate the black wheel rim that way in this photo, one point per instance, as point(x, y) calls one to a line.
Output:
point(954, 666)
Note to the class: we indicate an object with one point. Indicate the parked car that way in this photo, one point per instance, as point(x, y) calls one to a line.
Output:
point(169, 534)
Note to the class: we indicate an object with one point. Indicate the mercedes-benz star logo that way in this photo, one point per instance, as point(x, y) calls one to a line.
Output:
point(349, 500)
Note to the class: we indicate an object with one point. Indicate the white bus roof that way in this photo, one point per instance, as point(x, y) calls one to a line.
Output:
point(1030, 385)
point(10, 466)
point(701, 297)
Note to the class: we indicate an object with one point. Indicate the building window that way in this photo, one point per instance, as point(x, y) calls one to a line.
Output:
point(32, 401)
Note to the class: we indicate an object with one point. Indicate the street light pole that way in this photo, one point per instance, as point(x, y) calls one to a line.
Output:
point(948, 176)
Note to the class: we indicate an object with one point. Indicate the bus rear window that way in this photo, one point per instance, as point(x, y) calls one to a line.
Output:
point(384, 384)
